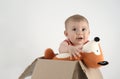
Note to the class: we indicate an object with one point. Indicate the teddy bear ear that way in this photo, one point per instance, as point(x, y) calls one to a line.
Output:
point(49, 53)
point(96, 39)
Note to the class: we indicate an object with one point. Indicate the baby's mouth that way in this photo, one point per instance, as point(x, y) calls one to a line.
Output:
point(79, 38)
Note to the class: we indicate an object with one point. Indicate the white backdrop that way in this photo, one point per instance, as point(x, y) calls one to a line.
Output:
point(28, 27)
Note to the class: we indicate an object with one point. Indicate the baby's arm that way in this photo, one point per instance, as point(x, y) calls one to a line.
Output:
point(73, 50)
point(63, 47)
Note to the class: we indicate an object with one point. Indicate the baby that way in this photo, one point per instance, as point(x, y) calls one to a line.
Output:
point(77, 32)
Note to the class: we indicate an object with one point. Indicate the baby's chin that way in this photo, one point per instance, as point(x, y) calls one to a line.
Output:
point(79, 43)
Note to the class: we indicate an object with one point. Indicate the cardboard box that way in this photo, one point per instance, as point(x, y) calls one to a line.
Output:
point(59, 69)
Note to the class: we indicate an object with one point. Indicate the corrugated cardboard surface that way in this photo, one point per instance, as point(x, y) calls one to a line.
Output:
point(57, 69)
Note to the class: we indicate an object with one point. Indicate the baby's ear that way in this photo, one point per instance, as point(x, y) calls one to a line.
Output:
point(65, 33)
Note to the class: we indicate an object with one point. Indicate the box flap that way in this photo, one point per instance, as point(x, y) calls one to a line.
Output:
point(92, 73)
point(79, 73)
point(52, 69)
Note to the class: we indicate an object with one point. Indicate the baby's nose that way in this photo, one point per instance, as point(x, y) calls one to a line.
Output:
point(79, 32)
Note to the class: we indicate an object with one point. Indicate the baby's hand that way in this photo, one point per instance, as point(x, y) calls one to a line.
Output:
point(74, 51)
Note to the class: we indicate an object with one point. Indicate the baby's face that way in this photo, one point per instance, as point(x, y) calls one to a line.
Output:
point(77, 32)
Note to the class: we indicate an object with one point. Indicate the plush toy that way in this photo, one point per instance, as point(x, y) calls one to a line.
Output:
point(91, 54)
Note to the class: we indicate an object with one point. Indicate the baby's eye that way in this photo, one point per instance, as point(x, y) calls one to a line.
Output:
point(74, 29)
point(83, 29)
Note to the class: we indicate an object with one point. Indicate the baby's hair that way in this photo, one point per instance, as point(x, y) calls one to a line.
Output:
point(76, 18)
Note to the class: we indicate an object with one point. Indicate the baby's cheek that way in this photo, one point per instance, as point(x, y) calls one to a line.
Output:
point(85, 40)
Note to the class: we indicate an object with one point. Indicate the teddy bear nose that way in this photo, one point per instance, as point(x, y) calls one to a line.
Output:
point(96, 39)
point(103, 63)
